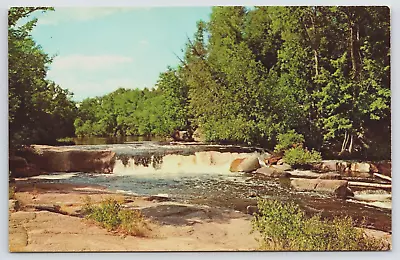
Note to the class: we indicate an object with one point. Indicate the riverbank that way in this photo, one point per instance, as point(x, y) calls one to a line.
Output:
point(49, 219)
point(174, 226)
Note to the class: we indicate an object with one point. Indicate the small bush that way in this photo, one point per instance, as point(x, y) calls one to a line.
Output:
point(299, 157)
point(288, 140)
point(110, 215)
point(133, 223)
point(284, 227)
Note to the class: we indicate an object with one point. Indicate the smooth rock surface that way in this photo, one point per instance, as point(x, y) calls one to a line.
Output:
point(362, 167)
point(273, 172)
point(337, 188)
point(63, 159)
point(283, 167)
point(245, 165)
point(235, 165)
point(326, 165)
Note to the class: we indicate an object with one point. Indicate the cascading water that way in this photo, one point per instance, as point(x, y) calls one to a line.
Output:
point(208, 162)
point(200, 174)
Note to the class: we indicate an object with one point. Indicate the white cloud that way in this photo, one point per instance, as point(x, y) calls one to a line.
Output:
point(87, 62)
point(83, 88)
point(79, 14)
point(143, 42)
point(91, 75)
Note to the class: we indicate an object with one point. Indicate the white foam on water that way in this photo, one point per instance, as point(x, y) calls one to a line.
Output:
point(379, 204)
point(210, 162)
point(373, 197)
point(55, 176)
point(128, 192)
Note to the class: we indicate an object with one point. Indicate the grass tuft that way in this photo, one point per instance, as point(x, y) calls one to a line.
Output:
point(284, 227)
point(110, 215)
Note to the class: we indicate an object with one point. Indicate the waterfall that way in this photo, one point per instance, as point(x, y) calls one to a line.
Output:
point(209, 162)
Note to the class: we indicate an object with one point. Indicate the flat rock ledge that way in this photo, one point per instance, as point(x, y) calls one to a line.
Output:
point(338, 188)
point(42, 159)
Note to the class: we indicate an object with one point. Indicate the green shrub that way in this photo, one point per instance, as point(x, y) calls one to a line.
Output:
point(112, 216)
point(284, 227)
point(288, 140)
point(133, 223)
point(299, 157)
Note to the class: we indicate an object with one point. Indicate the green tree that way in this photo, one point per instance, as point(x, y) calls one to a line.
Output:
point(39, 110)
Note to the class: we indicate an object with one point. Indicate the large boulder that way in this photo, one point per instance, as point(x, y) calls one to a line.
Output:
point(273, 172)
point(19, 167)
point(248, 164)
point(16, 162)
point(360, 167)
point(59, 159)
point(28, 171)
point(326, 166)
point(337, 188)
point(235, 164)
point(384, 167)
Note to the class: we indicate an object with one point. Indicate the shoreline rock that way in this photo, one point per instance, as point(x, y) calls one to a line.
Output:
point(338, 188)
point(62, 159)
point(245, 164)
point(273, 172)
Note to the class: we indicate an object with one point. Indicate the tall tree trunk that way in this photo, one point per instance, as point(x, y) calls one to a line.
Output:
point(351, 144)
point(355, 50)
point(316, 62)
point(344, 144)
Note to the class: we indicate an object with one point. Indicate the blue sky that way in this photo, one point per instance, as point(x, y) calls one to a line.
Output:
point(100, 49)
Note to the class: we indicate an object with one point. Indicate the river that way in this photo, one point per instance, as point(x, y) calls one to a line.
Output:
point(199, 174)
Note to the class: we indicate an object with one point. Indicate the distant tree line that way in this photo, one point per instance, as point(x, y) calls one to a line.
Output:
point(155, 112)
point(250, 74)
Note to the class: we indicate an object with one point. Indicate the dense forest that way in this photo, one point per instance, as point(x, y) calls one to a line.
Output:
point(246, 76)
point(40, 111)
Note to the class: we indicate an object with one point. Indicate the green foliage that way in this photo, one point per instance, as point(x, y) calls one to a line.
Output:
point(39, 110)
point(112, 216)
point(284, 227)
point(247, 76)
point(288, 140)
point(298, 156)
point(133, 223)
point(124, 112)
point(269, 69)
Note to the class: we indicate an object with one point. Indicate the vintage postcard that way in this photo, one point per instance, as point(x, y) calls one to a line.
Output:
point(212, 128)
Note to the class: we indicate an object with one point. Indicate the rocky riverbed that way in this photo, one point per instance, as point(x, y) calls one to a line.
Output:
point(49, 220)
point(189, 193)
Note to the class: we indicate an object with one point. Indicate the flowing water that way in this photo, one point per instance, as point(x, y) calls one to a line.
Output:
point(199, 173)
